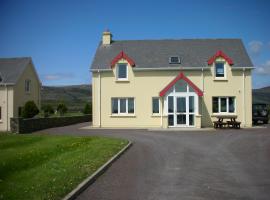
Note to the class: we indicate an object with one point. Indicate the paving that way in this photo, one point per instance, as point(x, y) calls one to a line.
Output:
point(173, 165)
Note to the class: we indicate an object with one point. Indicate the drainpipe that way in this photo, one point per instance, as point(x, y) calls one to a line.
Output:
point(7, 104)
point(244, 99)
point(161, 112)
point(202, 91)
point(99, 98)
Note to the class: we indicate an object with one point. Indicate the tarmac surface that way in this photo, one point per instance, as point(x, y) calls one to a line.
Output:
point(192, 165)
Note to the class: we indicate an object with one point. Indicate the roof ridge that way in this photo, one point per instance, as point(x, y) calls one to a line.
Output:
point(175, 39)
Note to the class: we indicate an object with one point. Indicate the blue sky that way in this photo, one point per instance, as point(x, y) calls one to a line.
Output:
point(62, 35)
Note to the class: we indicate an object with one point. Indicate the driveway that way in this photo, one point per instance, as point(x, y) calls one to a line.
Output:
point(168, 165)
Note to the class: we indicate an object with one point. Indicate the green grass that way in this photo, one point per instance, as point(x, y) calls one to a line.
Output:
point(49, 167)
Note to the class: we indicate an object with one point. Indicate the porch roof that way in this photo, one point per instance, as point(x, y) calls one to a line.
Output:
point(177, 78)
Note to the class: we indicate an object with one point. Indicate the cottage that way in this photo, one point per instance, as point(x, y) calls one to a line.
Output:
point(19, 83)
point(170, 83)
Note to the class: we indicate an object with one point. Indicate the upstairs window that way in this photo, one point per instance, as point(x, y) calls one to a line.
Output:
point(122, 72)
point(174, 60)
point(27, 86)
point(220, 70)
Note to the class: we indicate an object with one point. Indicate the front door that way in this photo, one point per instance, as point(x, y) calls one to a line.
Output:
point(181, 111)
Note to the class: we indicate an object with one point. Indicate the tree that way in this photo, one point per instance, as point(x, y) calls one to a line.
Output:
point(47, 110)
point(61, 108)
point(29, 110)
point(87, 109)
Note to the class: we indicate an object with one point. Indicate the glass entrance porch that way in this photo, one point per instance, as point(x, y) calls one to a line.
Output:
point(181, 104)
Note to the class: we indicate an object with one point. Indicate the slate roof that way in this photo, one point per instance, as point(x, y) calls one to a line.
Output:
point(12, 68)
point(156, 53)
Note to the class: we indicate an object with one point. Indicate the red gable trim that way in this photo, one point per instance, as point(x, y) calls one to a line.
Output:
point(220, 54)
point(120, 56)
point(189, 82)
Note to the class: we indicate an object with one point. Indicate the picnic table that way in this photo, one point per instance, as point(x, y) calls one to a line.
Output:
point(230, 123)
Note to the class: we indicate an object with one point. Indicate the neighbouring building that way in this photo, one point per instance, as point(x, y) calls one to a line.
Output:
point(170, 83)
point(19, 83)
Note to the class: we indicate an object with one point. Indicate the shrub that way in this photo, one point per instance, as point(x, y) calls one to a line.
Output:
point(47, 110)
point(29, 110)
point(87, 109)
point(62, 109)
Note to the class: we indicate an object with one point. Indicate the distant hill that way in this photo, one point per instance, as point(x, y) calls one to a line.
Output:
point(74, 96)
point(261, 95)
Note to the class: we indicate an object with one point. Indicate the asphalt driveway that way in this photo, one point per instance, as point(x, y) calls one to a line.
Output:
point(225, 164)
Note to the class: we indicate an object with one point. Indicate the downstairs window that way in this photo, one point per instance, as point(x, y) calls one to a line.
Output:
point(122, 105)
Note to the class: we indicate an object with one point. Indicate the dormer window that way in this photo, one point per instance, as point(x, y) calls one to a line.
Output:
point(220, 70)
point(174, 60)
point(122, 72)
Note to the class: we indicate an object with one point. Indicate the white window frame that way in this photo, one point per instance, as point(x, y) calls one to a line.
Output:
point(117, 70)
point(227, 105)
point(27, 85)
point(225, 71)
point(158, 105)
point(118, 104)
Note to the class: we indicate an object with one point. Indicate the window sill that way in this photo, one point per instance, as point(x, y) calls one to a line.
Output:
point(221, 114)
point(123, 115)
point(156, 115)
point(122, 81)
point(220, 79)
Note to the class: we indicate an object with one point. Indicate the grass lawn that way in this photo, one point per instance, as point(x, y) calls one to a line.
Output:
point(49, 167)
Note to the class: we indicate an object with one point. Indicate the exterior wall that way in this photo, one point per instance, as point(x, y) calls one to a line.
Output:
point(232, 86)
point(20, 96)
point(143, 85)
point(6, 104)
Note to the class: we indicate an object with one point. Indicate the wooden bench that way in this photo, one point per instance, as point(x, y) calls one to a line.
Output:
point(234, 124)
point(230, 124)
point(219, 124)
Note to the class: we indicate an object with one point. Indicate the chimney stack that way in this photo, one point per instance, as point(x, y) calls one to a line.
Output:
point(106, 37)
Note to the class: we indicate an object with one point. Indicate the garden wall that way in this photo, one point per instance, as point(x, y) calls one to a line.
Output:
point(20, 125)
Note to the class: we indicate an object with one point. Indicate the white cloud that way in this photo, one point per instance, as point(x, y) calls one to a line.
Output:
point(255, 46)
point(58, 76)
point(264, 69)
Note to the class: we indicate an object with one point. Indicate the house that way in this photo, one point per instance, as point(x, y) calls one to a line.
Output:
point(19, 83)
point(170, 83)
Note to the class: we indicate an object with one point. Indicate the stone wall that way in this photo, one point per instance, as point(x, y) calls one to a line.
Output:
point(20, 125)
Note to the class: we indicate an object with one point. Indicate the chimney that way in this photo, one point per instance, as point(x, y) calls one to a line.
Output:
point(106, 37)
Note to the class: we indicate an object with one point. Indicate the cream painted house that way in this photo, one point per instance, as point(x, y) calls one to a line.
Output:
point(170, 83)
point(19, 83)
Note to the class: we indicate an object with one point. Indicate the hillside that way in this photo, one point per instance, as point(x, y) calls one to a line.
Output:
point(261, 95)
point(74, 96)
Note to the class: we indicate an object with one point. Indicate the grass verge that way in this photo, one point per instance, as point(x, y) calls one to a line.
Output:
point(49, 167)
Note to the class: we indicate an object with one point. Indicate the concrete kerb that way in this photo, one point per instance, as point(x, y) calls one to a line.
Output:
point(91, 179)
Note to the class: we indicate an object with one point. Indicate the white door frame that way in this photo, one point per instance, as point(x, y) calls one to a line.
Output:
point(186, 95)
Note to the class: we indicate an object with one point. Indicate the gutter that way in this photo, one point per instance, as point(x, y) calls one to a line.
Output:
point(157, 69)
point(242, 68)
